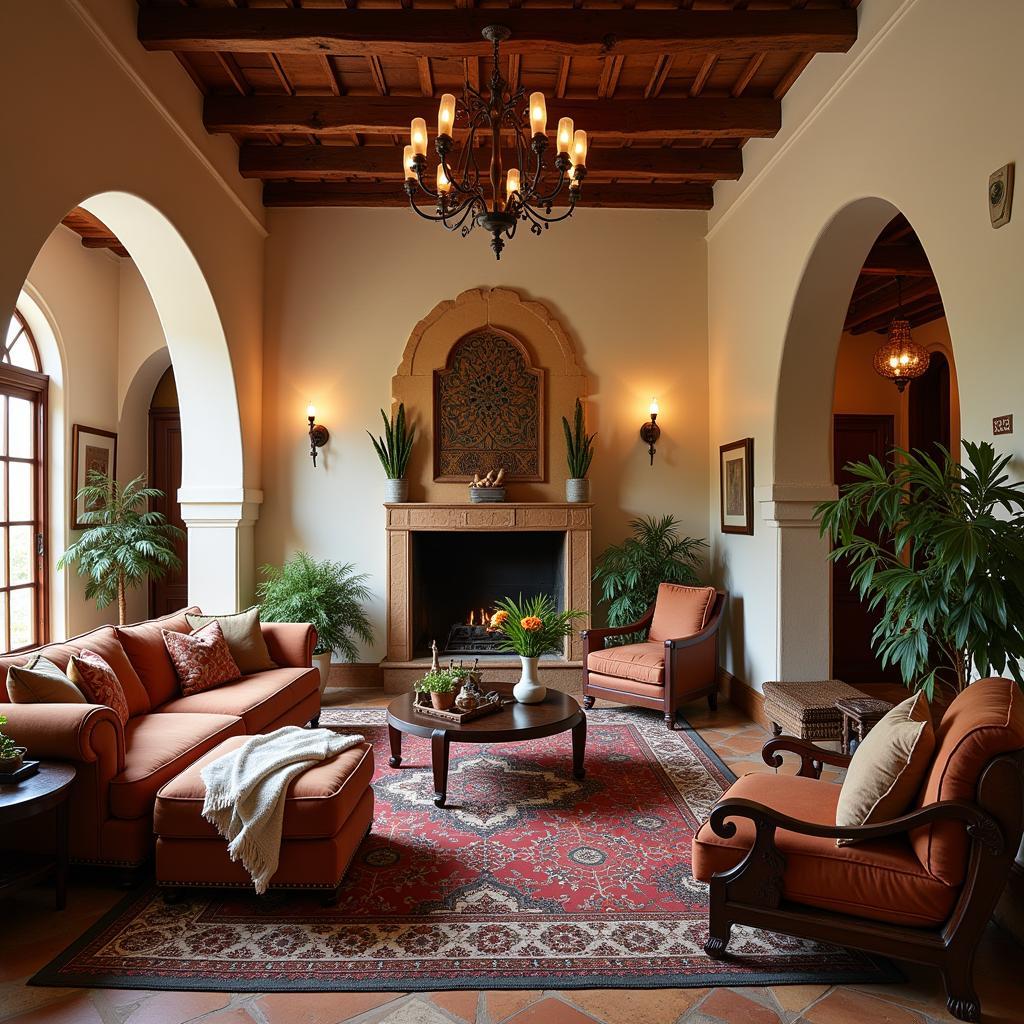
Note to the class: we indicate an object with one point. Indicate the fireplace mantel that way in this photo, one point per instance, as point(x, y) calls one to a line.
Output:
point(401, 668)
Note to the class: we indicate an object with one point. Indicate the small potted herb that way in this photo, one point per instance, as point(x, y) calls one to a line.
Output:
point(442, 686)
point(579, 453)
point(394, 450)
point(11, 755)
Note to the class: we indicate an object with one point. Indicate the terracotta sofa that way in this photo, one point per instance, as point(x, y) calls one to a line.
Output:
point(120, 769)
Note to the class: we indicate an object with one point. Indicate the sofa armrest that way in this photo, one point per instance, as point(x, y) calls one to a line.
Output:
point(812, 757)
point(290, 643)
point(67, 732)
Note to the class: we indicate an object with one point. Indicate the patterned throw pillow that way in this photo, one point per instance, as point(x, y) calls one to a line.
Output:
point(98, 681)
point(202, 660)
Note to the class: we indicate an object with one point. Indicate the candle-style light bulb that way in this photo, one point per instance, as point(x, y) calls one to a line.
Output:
point(565, 135)
point(446, 115)
point(538, 113)
point(579, 148)
point(418, 136)
point(654, 407)
point(512, 182)
point(407, 154)
point(311, 411)
point(443, 184)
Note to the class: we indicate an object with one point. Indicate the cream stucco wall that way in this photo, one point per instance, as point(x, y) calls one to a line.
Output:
point(346, 287)
point(921, 115)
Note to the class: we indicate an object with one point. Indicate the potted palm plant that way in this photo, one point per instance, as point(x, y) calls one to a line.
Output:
point(328, 594)
point(938, 547)
point(394, 450)
point(630, 573)
point(124, 543)
point(579, 452)
point(532, 628)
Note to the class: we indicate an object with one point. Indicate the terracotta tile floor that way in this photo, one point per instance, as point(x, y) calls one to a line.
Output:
point(41, 934)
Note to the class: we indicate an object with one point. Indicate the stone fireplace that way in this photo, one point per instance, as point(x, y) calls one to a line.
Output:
point(449, 563)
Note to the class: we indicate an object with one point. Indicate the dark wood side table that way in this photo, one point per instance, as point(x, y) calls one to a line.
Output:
point(860, 714)
point(558, 712)
point(47, 790)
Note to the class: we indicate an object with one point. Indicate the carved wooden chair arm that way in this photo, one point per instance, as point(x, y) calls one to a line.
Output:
point(980, 824)
point(593, 639)
point(812, 757)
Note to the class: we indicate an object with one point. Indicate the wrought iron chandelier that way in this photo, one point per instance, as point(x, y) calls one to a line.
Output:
point(901, 359)
point(497, 201)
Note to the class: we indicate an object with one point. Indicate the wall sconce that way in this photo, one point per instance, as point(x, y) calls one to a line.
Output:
point(318, 434)
point(650, 431)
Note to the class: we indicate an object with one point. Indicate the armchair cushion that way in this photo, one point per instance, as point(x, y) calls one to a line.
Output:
point(882, 879)
point(643, 663)
point(680, 611)
point(984, 721)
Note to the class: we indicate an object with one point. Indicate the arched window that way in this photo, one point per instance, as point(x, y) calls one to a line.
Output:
point(23, 391)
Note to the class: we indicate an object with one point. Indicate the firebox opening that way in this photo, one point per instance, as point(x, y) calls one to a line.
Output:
point(458, 577)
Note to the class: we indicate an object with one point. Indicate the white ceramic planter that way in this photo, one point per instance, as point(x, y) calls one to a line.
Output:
point(323, 663)
point(396, 491)
point(577, 490)
point(529, 690)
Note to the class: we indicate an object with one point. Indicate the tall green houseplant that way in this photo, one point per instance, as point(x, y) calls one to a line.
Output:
point(629, 573)
point(328, 594)
point(124, 543)
point(938, 547)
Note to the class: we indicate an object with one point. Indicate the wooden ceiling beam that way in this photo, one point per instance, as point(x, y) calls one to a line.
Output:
point(659, 197)
point(888, 304)
point(456, 33)
point(917, 313)
point(697, 117)
point(897, 261)
point(341, 162)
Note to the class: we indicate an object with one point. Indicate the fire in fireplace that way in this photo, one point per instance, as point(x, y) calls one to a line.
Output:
point(477, 635)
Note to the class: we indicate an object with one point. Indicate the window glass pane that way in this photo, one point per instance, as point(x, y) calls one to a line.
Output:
point(22, 559)
point(23, 626)
point(22, 485)
point(3, 556)
point(3, 424)
point(4, 641)
point(20, 427)
point(3, 491)
point(21, 354)
point(13, 330)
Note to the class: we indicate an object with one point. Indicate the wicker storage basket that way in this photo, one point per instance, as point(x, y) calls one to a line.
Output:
point(807, 710)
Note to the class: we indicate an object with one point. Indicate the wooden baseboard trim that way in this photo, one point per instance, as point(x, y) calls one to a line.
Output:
point(365, 675)
point(743, 697)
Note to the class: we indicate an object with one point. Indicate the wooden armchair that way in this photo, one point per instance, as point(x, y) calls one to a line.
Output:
point(677, 663)
point(920, 887)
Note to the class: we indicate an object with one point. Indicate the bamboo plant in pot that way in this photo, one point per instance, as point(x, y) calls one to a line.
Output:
point(328, 594)
point(532, 628)
point(394, 449)
point(579, 452)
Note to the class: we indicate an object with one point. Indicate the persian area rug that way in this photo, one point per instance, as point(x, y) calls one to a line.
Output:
point(527, 879)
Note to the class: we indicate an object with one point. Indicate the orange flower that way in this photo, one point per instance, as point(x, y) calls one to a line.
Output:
point(499, 618)
point(531, 624)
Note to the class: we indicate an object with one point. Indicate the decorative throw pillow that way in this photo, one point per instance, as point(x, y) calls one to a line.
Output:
point(889, 766)
point(98, 681)
point(202, 659)
point(39, 681)
point(244, 638)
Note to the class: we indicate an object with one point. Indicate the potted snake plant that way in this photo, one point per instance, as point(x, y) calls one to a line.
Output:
point(579, 451)
point(394, 449)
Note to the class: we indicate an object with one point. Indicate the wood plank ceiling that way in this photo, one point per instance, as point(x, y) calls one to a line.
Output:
point(896, 276)
point(93, 232)
point(319, 94)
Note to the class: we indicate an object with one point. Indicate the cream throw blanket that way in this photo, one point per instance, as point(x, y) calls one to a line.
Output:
point(245, 792)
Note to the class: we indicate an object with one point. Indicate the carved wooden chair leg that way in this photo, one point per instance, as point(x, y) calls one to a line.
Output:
point(958, 976)
point(670, 719)
point(588, 702)
point(719, 931)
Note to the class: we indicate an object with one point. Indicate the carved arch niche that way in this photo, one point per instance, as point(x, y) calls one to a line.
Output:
point(546, 352)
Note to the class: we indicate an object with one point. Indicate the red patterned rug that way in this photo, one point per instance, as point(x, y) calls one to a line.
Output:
point(527, 879)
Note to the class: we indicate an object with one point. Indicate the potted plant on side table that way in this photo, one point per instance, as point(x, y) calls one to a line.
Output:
point(328, 594)
point(532, 628)
point(394, 450)
point(442, 685)
point(579, 452)
point(11, 755)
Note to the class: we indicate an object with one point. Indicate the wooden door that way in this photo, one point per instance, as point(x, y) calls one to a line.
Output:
point(854, 438)
point(928, 409)
point(170, 593)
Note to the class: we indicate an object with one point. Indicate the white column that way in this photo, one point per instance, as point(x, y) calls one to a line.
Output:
point(221, 571)
point(804, 580)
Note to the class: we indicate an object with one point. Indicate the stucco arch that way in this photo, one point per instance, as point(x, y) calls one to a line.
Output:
point(549, 348)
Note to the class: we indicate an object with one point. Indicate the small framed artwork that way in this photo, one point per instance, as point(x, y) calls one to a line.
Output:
point(737, 473)
point(92, 450)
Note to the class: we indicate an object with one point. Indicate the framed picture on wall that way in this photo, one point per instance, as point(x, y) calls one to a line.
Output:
point(92, 450)
point(737, 485)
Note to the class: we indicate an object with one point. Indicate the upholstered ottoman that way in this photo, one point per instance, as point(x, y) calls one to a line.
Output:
point(329, 810)
point(807, 710)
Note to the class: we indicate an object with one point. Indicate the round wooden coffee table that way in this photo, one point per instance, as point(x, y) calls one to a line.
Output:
point(556, 713)
point(47, 790)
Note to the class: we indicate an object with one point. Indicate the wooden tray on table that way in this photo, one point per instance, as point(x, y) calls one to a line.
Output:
point(459, 717)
